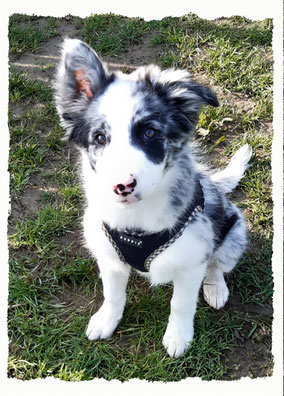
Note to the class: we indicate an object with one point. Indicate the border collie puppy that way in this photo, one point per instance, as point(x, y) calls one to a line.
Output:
point(149, 206)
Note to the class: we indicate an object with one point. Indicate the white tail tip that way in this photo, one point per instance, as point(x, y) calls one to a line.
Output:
point(229, 177)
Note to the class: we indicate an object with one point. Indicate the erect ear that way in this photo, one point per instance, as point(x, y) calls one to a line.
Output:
point(83, 84)
point(80, 76)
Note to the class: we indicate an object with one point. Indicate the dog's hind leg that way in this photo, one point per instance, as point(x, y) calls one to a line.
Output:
point(215, 290)
point(225, 258)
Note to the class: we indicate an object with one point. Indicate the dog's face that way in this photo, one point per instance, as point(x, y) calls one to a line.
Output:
point(132, 127)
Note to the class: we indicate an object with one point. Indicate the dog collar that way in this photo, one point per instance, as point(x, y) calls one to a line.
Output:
point(139, 248)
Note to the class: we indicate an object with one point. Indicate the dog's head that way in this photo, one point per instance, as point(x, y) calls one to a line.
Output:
point(133, 126)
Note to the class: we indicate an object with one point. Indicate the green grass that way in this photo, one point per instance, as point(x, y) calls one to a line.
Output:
point(236, 54)
point(56, 330)
point(254, 272)
point(25, 159)
point(35, 133)
point(39, 232)
point(21, 88)
point(245, 69)
point(26, 33)
point(111, 34)
point(54, 285)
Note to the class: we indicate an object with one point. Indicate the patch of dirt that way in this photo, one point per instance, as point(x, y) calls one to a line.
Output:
point(30, 200)
point(40, 64)
point(248, 360)
point(68, 300)
point(136, 55)
point(238, 100)
point(17, 111)
point(235, 302)
point(72, 244)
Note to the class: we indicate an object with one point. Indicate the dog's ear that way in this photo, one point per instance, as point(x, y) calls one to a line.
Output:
point(80, 76)
point(181, 95)
point(205, 95)
point(178, 84)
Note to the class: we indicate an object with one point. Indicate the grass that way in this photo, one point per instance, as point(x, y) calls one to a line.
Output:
point(35, 133)
point(27, 33)
point(49, 343)
point(39, 232)
point(236, 53)
point(54, 285)
point(111, 34)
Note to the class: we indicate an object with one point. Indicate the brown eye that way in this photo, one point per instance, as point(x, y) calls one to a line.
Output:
point(100, 139)
point(150, 133)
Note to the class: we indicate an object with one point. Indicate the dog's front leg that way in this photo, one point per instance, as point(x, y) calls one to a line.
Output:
point(179, 332)
point(103, 323)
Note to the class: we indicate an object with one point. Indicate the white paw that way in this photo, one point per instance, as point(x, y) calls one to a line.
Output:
point(215, 294)
point(102, 324)
point(177, 341)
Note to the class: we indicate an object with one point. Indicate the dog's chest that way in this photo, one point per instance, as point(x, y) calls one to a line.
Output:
point(139, 249)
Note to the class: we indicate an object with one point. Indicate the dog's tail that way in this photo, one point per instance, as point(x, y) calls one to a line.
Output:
point(229, 177)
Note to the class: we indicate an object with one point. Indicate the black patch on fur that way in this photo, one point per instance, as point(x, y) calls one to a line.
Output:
point(173, 114)
point(228, 223)
point(185, 184)
point(80, 132)
point(160, 106)
point(153, 148)
point(221, 221)
point(205, 93)
point(216, 213)
point(67, 117)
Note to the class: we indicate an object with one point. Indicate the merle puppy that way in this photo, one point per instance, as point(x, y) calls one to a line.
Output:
point(149, 205)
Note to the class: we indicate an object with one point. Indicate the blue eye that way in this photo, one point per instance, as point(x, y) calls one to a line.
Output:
point(101, 139)
point(150, 133)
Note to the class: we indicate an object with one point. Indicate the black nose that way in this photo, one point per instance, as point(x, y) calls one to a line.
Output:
point(125, 189)
point(121, 187)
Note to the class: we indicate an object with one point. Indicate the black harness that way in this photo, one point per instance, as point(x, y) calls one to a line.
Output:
point(138, 249)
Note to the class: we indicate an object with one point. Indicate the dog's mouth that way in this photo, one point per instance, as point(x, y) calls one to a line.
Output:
point(125, 201)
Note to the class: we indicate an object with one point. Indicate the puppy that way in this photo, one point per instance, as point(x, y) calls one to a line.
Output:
point(149, 206)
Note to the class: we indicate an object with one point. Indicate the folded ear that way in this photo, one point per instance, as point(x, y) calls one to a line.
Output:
point(179, 83)
point(81, 75)
point(205, 94)
point(182, 95)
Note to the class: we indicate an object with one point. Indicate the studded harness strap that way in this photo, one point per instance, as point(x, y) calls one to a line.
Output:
point(138, 248)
